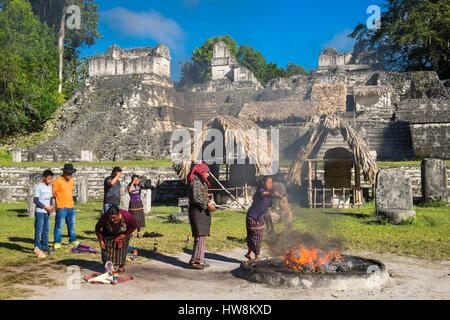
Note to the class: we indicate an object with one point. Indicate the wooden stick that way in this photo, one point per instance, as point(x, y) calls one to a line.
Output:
point(229, 193)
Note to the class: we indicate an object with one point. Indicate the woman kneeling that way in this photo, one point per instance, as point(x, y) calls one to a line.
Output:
point(113, 232)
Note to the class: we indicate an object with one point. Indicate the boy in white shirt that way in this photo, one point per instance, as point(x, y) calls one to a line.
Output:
point(43, 196)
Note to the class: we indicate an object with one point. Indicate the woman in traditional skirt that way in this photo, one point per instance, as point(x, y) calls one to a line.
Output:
point(200, 209)
point(136, 208)
point(262, 200)
point(113, 231)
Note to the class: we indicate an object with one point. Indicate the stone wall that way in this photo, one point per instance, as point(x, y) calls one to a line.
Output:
point(17, 179)
point(431, 140)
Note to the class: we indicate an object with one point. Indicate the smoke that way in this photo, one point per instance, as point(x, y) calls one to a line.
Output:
point(319, 235)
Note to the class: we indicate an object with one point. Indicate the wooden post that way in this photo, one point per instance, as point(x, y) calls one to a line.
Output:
point(332, 197)
point(343, 196)
point(323, 197)
point(358, 198)
point(315, 198)
point(310, 184)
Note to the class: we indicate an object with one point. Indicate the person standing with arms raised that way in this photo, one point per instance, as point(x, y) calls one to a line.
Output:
point(63, 188)
point(112, 189)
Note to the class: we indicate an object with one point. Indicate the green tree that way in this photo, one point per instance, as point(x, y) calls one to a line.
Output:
point(253, 60)
point(293, 69)
point(198, 70)
point(414, 35)
point(28, 65)
point(71, 39)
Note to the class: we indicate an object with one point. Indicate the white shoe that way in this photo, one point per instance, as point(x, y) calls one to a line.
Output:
point(39, 253)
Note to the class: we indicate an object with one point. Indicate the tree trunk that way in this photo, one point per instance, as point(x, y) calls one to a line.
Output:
point(61, 36)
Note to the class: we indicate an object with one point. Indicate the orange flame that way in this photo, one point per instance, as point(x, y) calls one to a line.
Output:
point(309, 260)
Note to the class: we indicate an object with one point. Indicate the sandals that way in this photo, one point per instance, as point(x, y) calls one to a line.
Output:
point(197, 266)
point(248, 256)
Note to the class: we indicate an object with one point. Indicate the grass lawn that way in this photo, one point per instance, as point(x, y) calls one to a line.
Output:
point(356, 229)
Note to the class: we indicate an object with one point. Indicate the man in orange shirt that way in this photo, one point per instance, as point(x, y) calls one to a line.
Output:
point(65, 210)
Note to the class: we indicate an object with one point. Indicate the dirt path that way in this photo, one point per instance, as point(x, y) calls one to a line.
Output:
point(166, 277)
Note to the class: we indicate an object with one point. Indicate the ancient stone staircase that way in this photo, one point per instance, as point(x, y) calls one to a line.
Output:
point(391, 140)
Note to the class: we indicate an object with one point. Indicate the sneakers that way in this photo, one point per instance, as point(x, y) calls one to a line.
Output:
point(75, 243)
point(39, 253)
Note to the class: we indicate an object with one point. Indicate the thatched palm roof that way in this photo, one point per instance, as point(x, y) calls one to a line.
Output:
point(327, 124)
point(260, 111)
point(236, 131)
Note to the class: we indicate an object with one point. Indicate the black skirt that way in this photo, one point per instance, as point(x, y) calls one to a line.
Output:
point(136, 208)
point(200, 220)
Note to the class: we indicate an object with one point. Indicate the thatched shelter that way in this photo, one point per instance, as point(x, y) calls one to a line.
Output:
point(279, 112)
point(236, 132)
point(362, 158)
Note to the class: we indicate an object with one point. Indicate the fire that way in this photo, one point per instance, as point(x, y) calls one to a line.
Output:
point(309, 260)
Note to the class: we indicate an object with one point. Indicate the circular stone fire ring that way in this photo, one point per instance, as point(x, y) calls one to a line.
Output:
point(359, 273)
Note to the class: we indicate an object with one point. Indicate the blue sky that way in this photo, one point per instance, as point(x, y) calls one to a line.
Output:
point(284, 31)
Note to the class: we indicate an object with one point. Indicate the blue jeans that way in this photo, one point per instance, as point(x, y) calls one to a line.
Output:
point(65, 215)
point(41, 230)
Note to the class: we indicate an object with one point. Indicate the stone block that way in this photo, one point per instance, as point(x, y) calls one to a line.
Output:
point(16, 155)
point(6, 195)
point(146, 197)
point(86, 156)
point(434, 180)
point(82, 190)
point(394, 199)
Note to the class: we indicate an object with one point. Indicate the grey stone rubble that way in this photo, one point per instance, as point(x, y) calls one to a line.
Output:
point(394, 199)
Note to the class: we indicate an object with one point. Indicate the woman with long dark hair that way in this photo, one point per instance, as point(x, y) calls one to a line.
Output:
point(200, 209)
point(136, 207)
point(255, 221)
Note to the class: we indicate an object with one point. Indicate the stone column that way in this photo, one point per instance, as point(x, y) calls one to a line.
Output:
point(393, 195)
point(87, 156)
point(82, 190)
point(434, 180)
point(5, 195)
point(33, 180)
point(16, 155)
point(146, 197)
point(125, 201)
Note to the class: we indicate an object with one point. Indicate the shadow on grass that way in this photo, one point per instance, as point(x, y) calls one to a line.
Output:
point(347, 214)
point(20, 239)
point(15, 247)
point(21, 213)
point(85, 264)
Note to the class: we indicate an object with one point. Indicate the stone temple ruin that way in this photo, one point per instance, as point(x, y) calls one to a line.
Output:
point(331, 59)
point(117, 61)
point(224, 66)
point(130, 106)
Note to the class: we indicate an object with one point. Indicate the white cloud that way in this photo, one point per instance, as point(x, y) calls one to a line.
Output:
point(341, 41)
point(145, 25)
